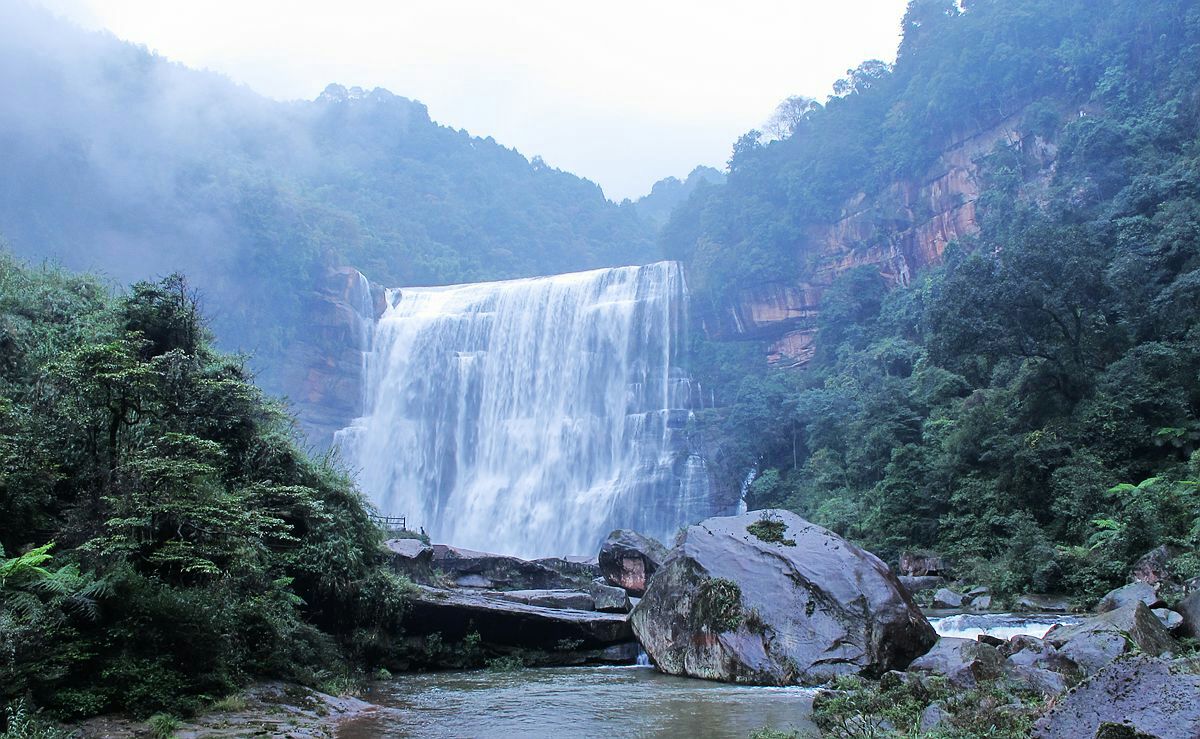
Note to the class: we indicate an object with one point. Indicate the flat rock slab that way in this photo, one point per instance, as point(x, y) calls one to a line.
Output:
point(410, 549)
point(569, 599)
point(1137, 691)
point(506, 623)
point(469, 568)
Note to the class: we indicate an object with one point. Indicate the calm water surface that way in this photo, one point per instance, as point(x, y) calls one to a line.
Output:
point(570, 702)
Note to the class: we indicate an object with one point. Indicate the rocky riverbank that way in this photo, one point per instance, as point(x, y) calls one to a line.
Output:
point(768, 598)
point(269, 709)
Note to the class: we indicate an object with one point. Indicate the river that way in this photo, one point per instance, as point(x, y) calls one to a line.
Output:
point(571, 702)
point(614, 702)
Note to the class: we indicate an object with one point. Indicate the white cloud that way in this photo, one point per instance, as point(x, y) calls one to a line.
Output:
point(623, 92)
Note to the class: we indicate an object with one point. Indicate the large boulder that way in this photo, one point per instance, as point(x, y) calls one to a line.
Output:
point(947, 598)
point(1129, 594)
point(773, 599)
point(1096, 642)
point(628, 560)
point(1153, 568)
point(1139, 692)
point(1189, 608)
point(963, 662)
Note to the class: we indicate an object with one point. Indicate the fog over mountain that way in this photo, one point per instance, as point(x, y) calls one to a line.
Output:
point(121, 161)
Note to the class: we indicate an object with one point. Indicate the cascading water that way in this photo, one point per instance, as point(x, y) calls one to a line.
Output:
point(532, 416)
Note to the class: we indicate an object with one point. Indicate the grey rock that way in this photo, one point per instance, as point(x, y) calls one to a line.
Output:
point(729, 606)
point(1047, 682)
point(1170, 620)
point(1043, 604)
point(947, 598)
point(608, 598)
point(914, 584)
point(1096, 642)
point(628, 560)
point(549, 598)
point(468, 568)
point(1129, 594)
point(981, 603)
point(963, 662)
point(506, 624)
point(409, 552)
point(473, 581)
point(574, 568)
point(933, 716)
point(1189, 609)
point(1153, 568)
point(1029, 651)
point(920, 564)
point(977, 591)
point(1139, 692)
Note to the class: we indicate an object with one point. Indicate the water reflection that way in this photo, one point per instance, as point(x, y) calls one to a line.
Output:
point(565, 703)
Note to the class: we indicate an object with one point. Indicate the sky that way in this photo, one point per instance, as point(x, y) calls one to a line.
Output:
point(623, 92)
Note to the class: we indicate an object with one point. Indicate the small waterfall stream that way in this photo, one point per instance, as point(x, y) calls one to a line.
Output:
point(532, 416)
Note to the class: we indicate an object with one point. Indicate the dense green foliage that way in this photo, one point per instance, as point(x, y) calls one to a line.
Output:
point(117, 160)
point(1031, 407)
point(892, 709)
point(162, 540)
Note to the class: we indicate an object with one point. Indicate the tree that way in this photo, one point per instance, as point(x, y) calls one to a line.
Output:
point(789, 116)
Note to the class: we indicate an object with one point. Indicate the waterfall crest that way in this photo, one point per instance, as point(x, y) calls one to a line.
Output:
point(532, 416)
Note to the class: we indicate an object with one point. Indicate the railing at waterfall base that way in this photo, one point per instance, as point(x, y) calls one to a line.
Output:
point(390, 523)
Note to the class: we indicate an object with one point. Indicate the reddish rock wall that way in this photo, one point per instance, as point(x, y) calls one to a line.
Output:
point(900, 232)
point(323, 369)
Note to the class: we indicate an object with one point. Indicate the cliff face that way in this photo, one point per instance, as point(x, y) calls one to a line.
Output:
point(323, 369)
point(900, 231)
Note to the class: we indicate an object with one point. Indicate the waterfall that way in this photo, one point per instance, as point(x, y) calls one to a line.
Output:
point(532, 416)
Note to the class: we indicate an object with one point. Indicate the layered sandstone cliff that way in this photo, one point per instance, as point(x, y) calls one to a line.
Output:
point(900, 232)
point(323, 368)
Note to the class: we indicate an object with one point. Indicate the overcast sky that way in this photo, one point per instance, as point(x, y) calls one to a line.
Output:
point(623, 92)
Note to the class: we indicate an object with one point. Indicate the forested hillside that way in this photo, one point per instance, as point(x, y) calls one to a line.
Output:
point(163, 541)
point(117, 160)
point(1031, 406)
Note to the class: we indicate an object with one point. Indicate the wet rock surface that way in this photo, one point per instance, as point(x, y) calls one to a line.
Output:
point(802, 608)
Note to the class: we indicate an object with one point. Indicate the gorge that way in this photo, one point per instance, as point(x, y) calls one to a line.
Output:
point(532, 416)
